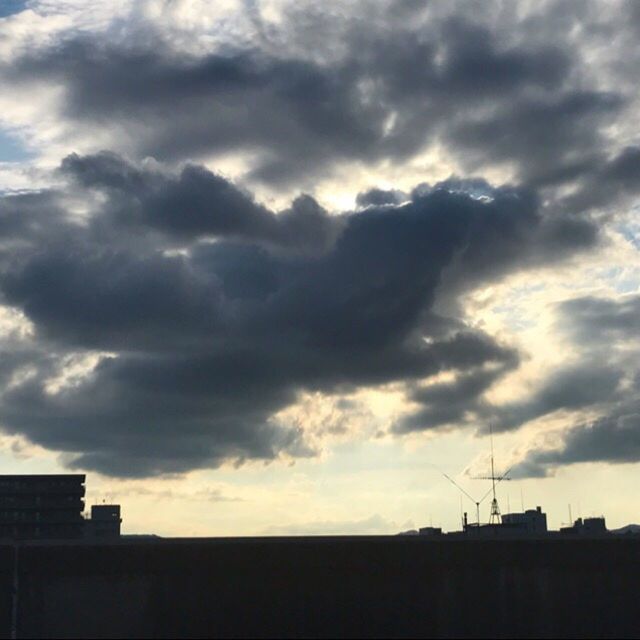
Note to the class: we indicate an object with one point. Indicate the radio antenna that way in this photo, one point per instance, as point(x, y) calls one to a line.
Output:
point(495, 517)
point(476, 502)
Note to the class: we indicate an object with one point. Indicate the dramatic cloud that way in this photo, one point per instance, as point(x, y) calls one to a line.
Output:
point(199, 347)
point(607, 182)
point(584, 385)
point(599, 322)
point(609, 330)
point(547, 139)
point(164, 314)
point(196, 203)
point(367, 93)
point(377, 197)
point(612, 439)
point(455, 403)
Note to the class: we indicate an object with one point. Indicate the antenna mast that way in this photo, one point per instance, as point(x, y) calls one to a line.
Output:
point(495, 509)
point(495, 517)
point(476, 502)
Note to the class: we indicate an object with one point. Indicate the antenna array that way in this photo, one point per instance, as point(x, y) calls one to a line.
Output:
point(495, 516)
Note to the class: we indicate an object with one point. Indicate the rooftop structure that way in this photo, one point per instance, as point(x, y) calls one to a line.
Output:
point(105, 521)
point(530, 521)
point(430, 531)
point(586, 527)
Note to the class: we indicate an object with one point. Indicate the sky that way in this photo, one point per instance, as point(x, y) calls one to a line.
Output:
point(277, 267)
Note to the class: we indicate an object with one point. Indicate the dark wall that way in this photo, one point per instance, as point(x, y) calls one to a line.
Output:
point(326, 587)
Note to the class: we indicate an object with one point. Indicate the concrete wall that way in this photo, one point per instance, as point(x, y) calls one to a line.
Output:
point(325, 587)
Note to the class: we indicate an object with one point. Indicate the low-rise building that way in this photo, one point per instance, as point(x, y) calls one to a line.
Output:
point(430, 531)
point(529, 521)
point(587, 527)
point(532, 522)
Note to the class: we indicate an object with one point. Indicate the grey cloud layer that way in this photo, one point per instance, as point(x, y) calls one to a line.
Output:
point(613, 439)
point(196, 204)
point(489, 94)
point(607, 380)
point(216, 311)
point(210, 341)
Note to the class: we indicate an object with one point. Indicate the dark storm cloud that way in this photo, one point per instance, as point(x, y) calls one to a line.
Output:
point(28, 215)
point(607, 181)
point(607, 330)
point(600, 380)
point(98, 297)
point(527, 240)
point(151, 414)
point(457, 402)
point(216, 312)
point(143, 415)
point(197, 203)
point(217, 103)
point(377, 197)
point(570, 389)
point(208, 343)
point(451, 404)
point(613, 439)
point(599, 322)
point(474, 63)
point(391, 92)
point(547, 139)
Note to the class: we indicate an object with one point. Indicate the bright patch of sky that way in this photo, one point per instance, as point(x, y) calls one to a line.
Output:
point(11, 149)
point(630, 229)
point(9, 7)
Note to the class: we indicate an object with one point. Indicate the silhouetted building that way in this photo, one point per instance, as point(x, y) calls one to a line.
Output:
point(531, 521)
point(41, 506)
point(586, 527)
point(430, 531)
point(105, 521)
